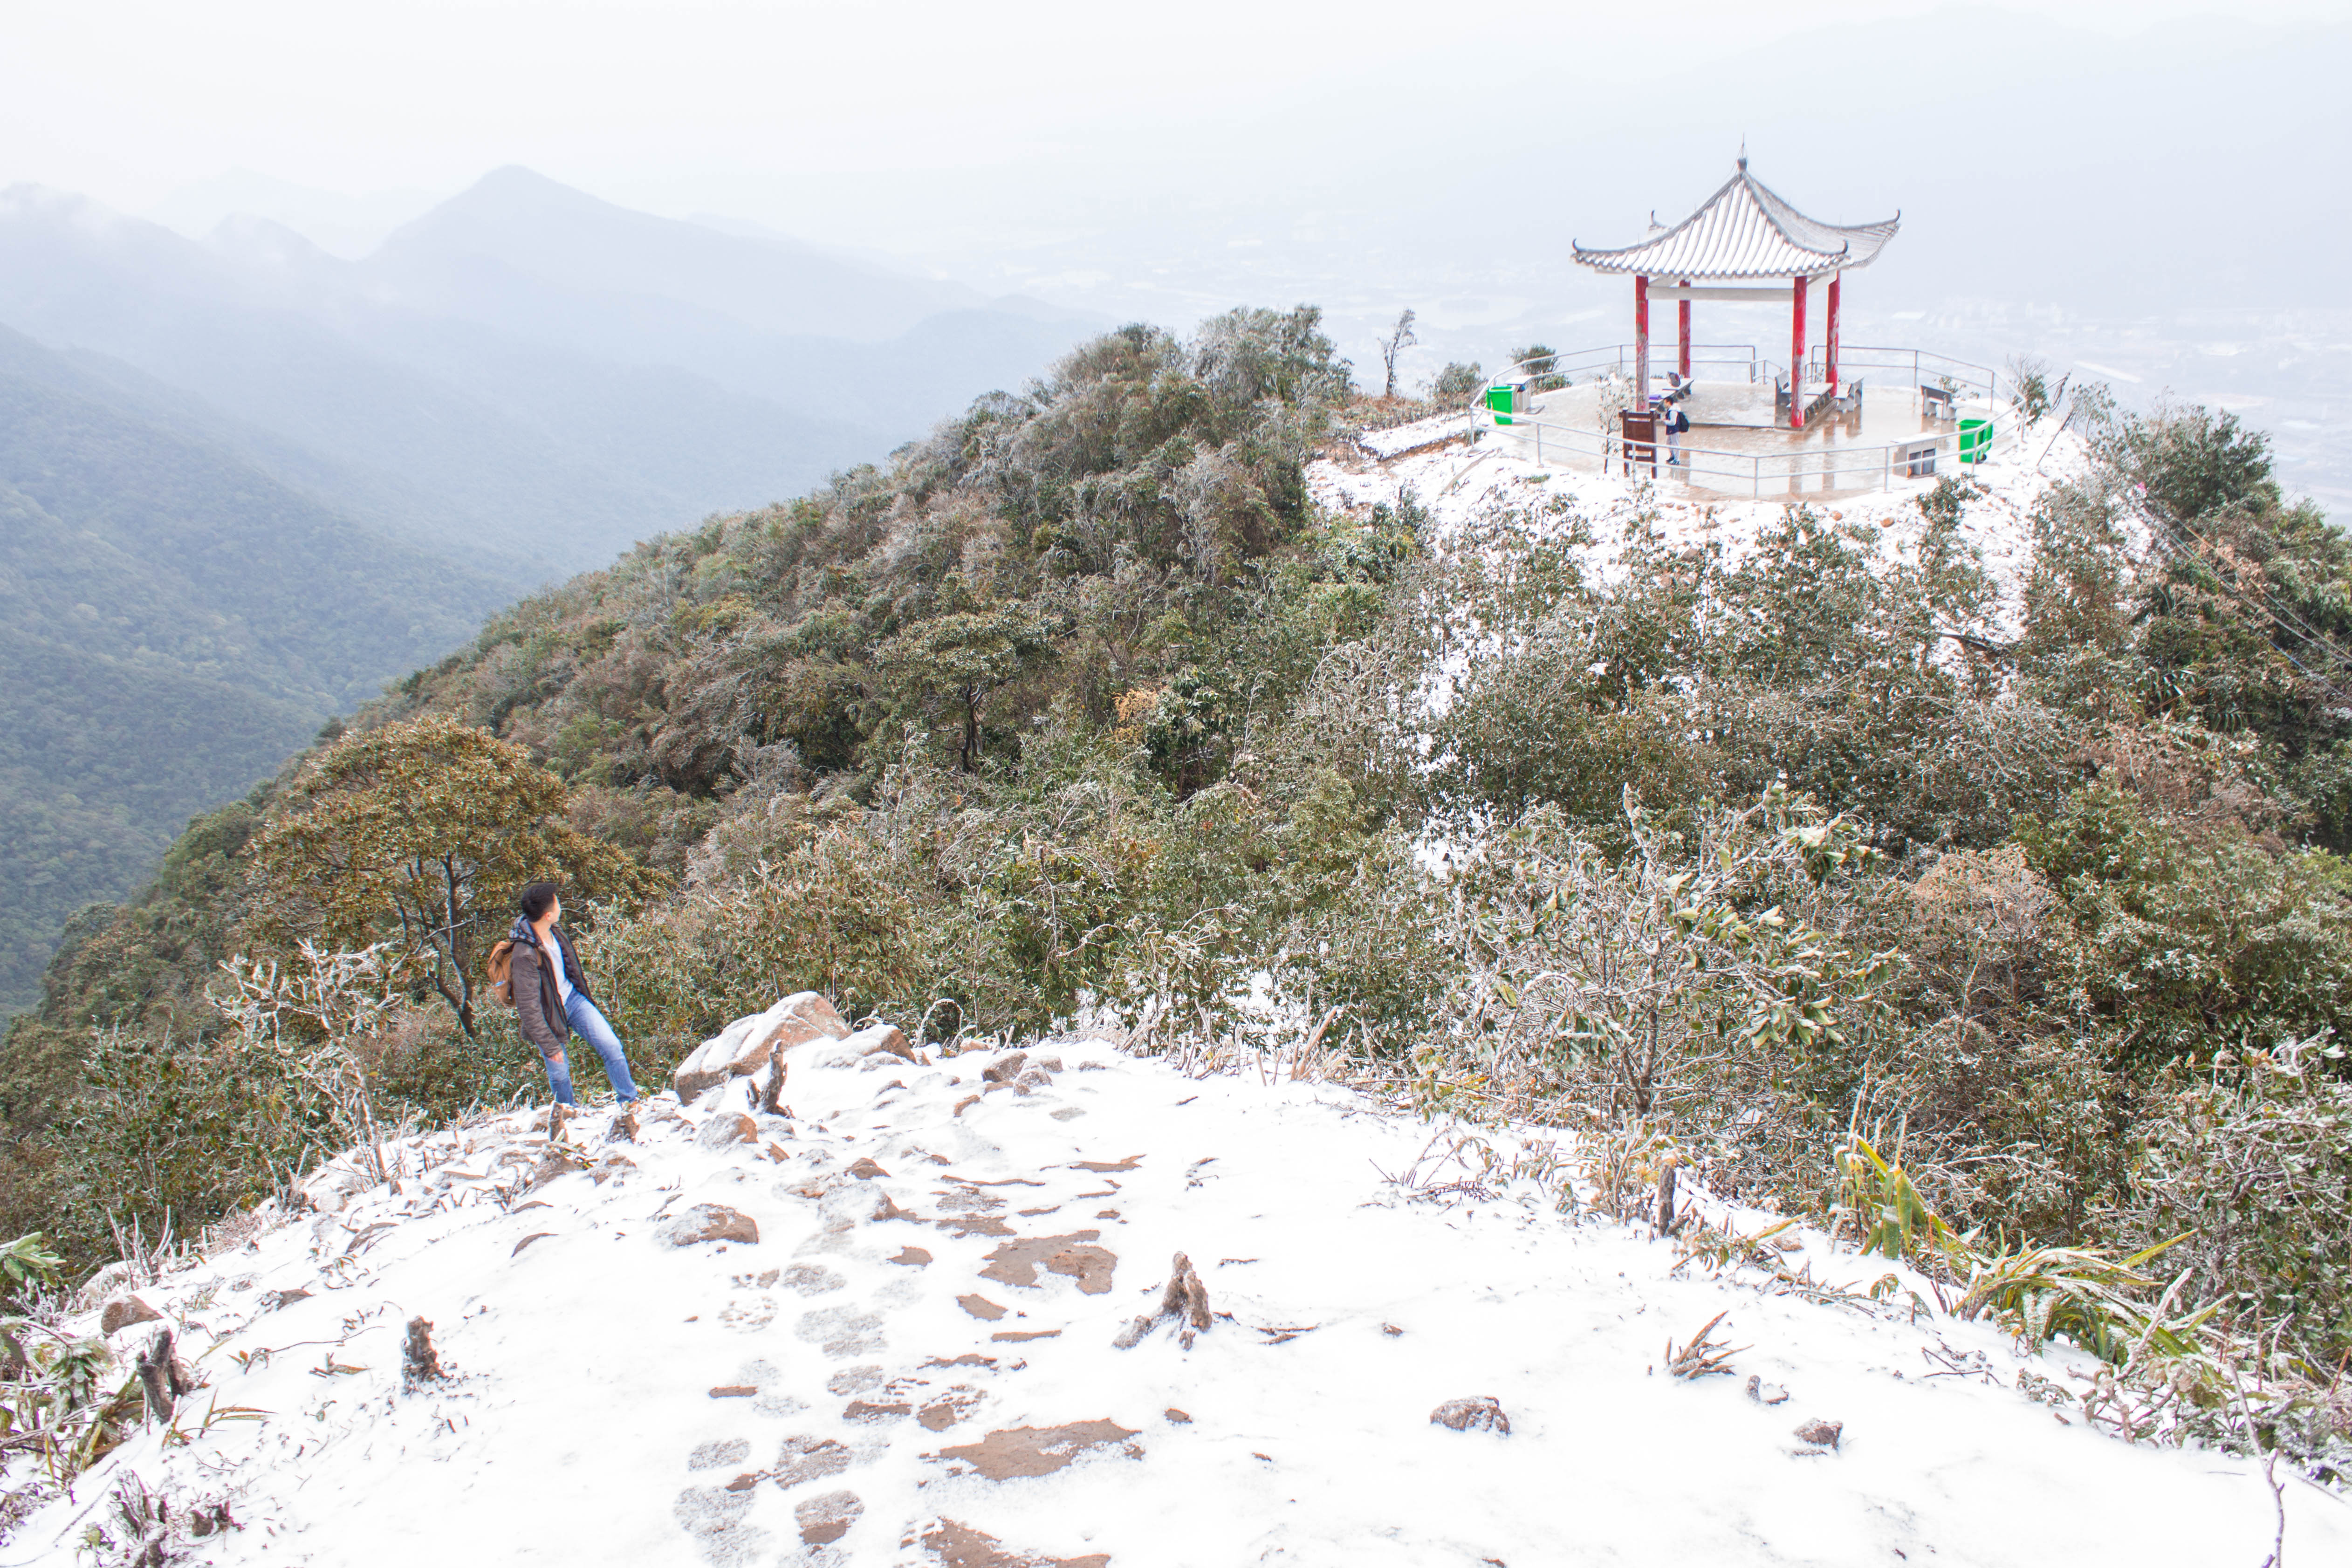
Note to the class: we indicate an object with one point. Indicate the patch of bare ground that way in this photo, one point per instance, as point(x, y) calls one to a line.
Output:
point(1040, 1450)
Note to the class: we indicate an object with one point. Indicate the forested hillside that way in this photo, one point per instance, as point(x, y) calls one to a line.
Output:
point(2015, 945)
point(172, 624)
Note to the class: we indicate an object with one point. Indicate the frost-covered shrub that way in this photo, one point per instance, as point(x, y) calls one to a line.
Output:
point(2249, 1155)
point(1457, 385)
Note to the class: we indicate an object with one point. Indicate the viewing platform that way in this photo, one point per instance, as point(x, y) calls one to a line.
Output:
point(1897, 415)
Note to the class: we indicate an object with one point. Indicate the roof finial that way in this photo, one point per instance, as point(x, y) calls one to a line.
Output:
point(1743, 153)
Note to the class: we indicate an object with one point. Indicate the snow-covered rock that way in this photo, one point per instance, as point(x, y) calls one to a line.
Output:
point(748, 1044)
point(888, 1335)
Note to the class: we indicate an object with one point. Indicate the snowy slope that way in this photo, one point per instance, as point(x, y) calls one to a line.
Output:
point(1462, 481)
point(915, 1364)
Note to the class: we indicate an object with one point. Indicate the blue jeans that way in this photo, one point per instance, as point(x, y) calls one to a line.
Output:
point(591, 1026)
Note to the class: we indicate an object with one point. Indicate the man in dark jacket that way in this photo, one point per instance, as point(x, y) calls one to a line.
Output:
point(552, 998)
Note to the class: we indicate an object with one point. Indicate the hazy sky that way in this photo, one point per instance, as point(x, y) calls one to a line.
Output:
point(679, 106)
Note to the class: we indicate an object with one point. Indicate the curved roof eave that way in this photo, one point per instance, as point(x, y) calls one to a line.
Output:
point(1744, 232)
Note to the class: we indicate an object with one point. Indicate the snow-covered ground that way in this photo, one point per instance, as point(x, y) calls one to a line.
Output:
point(914, 1361)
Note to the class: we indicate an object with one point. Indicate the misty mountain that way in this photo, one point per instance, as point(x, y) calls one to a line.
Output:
point(518, 244)
point(173, 622)
point(525, 374)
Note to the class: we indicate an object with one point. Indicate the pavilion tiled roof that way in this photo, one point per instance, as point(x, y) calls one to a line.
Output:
point(1746, 231)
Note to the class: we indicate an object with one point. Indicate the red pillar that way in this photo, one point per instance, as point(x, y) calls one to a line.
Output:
point(1797, 355)
point(1642, 339)
point(1685, 314)
point(1829, 364)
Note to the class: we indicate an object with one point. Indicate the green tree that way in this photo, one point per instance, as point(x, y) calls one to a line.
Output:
point(416, 835)
point(959, 660)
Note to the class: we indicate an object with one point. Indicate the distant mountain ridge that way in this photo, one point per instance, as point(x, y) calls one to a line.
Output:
point(525, 369)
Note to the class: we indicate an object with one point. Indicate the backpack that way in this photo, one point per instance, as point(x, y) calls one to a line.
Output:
point(501, 966)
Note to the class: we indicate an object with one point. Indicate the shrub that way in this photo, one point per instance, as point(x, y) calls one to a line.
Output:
point(1458, 385)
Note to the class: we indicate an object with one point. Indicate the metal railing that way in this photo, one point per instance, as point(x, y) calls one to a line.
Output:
point(1822, 471)
point(1579, 365)
point(1803, 470)
point(1585, 364)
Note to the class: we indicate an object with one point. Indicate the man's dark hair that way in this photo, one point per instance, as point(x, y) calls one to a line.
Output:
point(535, 900)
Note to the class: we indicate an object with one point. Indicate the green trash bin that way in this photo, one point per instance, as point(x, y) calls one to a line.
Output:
point(1975, 440)
point(1502, 402)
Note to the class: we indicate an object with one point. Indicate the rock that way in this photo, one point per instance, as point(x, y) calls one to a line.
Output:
point(1177, 1418)
point(1040, 1450)
point(273, 1301)
point(879, 1039)
point(558, 1161)
point(1032, 1078)
point(1763, 1393)
point(1016, 1262)
point(725, 1128)
point(958, 1545)
point(623, 1129)
point(981, 1307)
point(750, 1043)
point(102, 1286)
point(1006, 1067)
point(826, 1519)
point(947, 1408)
point(1482, 1414)
point(709, 1222)
point(124, 1310)
point(866, 1169)
point(1824, 1433)
point(810, 1459)
point(914, 1257)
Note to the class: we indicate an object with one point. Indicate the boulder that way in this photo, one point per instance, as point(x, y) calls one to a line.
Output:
point(725, 1128)
point(879, 1037)
point(1006, 1067)
point(709, 1222)
point(124, 1310)
point(102, 1286)
point(1482, 1414)
point(748, 1044)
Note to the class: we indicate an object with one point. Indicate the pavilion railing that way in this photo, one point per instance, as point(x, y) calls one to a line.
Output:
point(1817, 471)
point(1925, 367)
point(1810, 470)
point(1739, 359)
